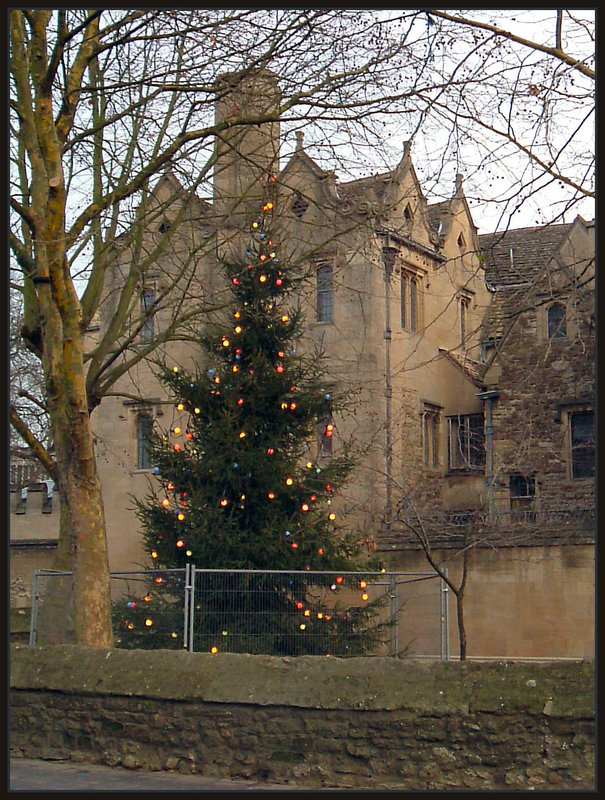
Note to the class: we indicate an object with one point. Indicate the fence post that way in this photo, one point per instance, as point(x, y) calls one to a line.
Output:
point(186, 607)
point(33, 623)
point(191, 594)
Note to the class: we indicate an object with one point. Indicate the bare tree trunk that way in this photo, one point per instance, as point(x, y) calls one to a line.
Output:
point(55, 610)
point(85, 527)
point(461, 629)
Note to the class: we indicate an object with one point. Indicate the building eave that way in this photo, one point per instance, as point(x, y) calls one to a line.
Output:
point(413, 245)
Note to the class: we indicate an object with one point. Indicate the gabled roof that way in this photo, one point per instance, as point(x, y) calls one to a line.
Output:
point(472, 369)
point(168, 185)
point(517, 257)
point(326, 180)
point(441, 214)
point(309, 163)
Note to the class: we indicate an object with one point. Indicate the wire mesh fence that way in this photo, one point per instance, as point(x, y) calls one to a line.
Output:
point(147, 608)
point(316, 613)
point(52, 617)
point(270, 612)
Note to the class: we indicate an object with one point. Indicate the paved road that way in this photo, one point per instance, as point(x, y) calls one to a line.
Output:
point(30, 775)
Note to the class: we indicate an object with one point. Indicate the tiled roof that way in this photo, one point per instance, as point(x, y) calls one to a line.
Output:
point(504, 307)
point(473, 369)
point(518, 256)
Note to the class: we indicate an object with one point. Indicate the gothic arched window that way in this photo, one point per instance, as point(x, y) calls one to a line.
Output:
point(414, 304)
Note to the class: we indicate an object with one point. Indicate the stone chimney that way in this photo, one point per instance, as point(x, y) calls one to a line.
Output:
point(246, 154)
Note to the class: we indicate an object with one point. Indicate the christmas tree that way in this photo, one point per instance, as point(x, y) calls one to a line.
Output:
point(246, 485)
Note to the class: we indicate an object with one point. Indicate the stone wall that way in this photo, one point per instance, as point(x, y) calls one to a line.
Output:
point(310, 721)
point(520, 602)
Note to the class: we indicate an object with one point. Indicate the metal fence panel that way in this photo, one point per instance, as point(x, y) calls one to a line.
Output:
point(147, 609)
point(273, 612)
point(316, 613)
point(52, 608)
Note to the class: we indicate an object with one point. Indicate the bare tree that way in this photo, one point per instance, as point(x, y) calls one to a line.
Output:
point(26, 381)
point(525, 85)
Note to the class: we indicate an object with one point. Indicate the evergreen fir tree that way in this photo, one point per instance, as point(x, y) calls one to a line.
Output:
point(243, 487)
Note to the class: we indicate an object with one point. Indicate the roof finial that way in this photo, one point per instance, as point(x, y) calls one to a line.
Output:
point(459, 179)
point(299, 139)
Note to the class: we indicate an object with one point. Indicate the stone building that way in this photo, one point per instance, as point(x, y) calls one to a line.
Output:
point(471, 360)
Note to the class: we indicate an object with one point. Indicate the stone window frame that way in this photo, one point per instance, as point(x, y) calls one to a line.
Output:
point(464, 303)
point(568, 413)
point(143, 452)
point(299, 205)
point(148, 327)
point(139, 411)
point(411, 300)
point(472, 458)
point(431, 435)
point(542, 321)
point(560, 332)
point(324, 444)
point(325, 291)
point(523, 501)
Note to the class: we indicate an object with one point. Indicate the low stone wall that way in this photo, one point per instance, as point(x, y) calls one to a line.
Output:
point(316, 722)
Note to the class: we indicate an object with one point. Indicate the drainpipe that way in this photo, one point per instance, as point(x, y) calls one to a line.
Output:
point(389, 260)
point(489, 398)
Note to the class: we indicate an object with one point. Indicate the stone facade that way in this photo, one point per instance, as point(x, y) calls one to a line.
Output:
point(431, 327)
point(541, 377)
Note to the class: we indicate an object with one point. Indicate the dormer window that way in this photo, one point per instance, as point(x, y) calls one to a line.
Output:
point(461, 243)
point(165, 226)
point(407, 213)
